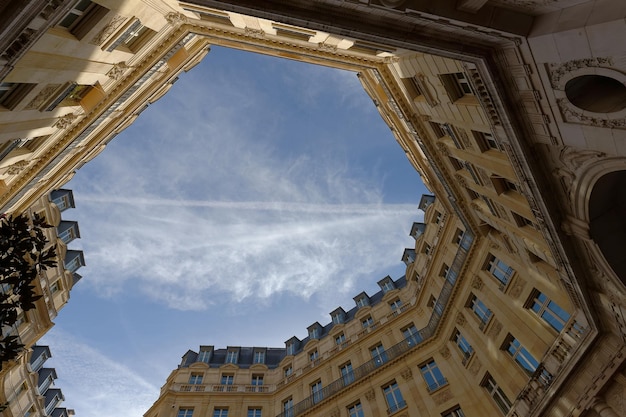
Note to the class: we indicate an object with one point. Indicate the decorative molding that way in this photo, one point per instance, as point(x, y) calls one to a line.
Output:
point(477, 283)
point(117, 71)
point(108, 30)
point(574, 158)
point(517, 289)
point(443, 148)
point(460, 319)
point(576, 116)
point(445, 352)
point(406, 374)
point(175, 18)
point(442, 396)
point(370, 395)
point(495, 328)
point(254, 33)
point(65, 121)
point(475, 366)
point(334, 412)
point(327, 47)
point(17, 167)
point(42, 96)
point(557, 71)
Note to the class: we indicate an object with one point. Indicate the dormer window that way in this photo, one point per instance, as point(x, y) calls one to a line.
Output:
point(259, 356)
point(232, 356)
point(362, 300)
point(205, 355)
point(408, 257)
point(315, 331)
point(417, 230)
point(338, 316)
point(386, 284)
point(426, 201)
point(292, 345)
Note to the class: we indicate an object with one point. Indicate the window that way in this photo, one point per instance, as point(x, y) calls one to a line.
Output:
point(455, 412)
point(362, 302)
point(480, 310)
point(438, 129)
point(444, 270)
point(259, 357)
point(549, 311)
point(463, 345)
point(185, 412)
point(521, 355)
point(367, 322)
point(411, 335)
point(437, 217)
point(502, 185)
point(497, 394)
point(314, 333)
point(522, 221)
point(133, 38)
point(456, 164)
point(220, 412)
point(458, 237)
point(395, 305)
point(195, 379)
point(288, 370)
point(338, 317)
point(378, 354)
point(231, 356)
point(426, 249)
point(432, 375)
point(347, 375)
point(83, 17)
point(254, 412)
point(456, 85)
point(340, 339)
point(257, 380)
point(393, 396)
point(412, 86)
point(12, 94)
point(291, 349)
point(314, 355)
point(288, 407)
point(227, 379)
point(485, 141)
point(55, 287)
point(355, 410)
point(388, 286)
point(501, 271)
point(204, 356)
point(316, 391)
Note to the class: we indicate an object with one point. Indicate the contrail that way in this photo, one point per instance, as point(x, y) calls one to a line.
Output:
point(259, 205)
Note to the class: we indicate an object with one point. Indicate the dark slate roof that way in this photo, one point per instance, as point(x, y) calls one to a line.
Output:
point(273, 356)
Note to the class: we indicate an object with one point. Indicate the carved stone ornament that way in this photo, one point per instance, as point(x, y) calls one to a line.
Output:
point(475, 366)
point(517, 288)
point(461, 180)
point(573, 158)
point(334, 413)
point(443, 148)
point(175, 19)
point(108, 30)
point(255, 33)
point(391, 59)
point(460, 319)
point(17, 167)
point(65, 121)
point(42, 96)
point(464, 138)
point(370, 395)
point(117, 71)
point(557, 71)
point(445, 352)
point(575, 116)
point(327, 47)
point(477, 283)
point(406, 374)
point(442, 396)
point(495, 328)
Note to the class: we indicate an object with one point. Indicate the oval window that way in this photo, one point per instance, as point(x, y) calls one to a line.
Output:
point(596, 93)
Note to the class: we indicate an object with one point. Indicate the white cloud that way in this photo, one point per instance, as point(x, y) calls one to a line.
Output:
point(94, 384)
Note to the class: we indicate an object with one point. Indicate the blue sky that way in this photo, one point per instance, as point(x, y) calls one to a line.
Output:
point(257, 196)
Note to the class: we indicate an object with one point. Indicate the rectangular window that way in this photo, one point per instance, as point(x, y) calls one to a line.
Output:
point(55, 286)
point(12, 94)
point(497, 394)
point(257, 380)
point(480, 310)
point(347, 375)
point(316, 391)
point(437, 217)
point(426, 249)
point(220, 412)
point(314, 333)
point(288, 370)
point(367, 322)
point(395, 305)
point(195, 378)
point(204, 356)
point(500, 270)
point(185, 412)
point(520, 354)
point(456, 85)
point(485, 141)
point(444, 270)
point(393, 396)
point(83, 17)
point(259, 357)
point(455, 412)
point(313, 356)
point(463, 345)
point(355, 410)
point(522, 221)
point(411, 335)
point(378, 354)
point(362, 302)
point(291, 349)
point(337, 318)
point(254, 412)
point(549, 311)
point(458, 237)
point(340, 339)
point(227, 379)
point(231, 356)
point(432, 375)
point(288, 407)
point(388, 286)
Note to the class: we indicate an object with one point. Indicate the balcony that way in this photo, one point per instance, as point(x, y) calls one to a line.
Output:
point(223, 388)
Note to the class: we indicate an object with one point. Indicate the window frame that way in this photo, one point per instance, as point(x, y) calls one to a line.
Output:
point(433, 377)
point(393, 397)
